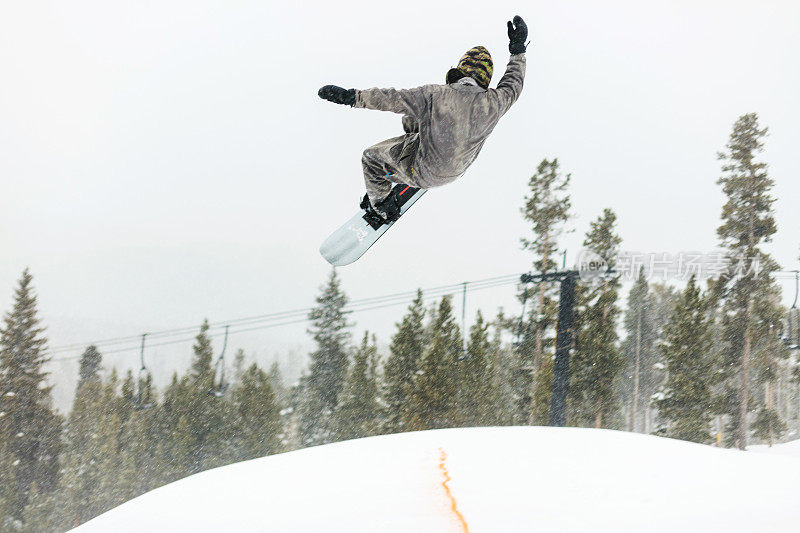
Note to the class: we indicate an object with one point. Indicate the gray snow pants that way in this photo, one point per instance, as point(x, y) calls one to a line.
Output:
point(392, 161)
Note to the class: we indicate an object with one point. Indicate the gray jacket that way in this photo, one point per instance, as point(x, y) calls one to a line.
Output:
point(454, 120)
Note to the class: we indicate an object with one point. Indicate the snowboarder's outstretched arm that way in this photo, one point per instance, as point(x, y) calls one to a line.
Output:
point(413, 102)
point(510, 85)
point(403, 101)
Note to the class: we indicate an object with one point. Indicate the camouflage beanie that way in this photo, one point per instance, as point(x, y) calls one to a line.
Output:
point(477, 64)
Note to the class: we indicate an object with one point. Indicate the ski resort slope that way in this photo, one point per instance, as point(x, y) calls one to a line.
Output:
point(507, 479)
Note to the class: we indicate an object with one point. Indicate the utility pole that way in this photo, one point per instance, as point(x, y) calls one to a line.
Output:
point(566, 316)
point(464, 318)
point(564, 338)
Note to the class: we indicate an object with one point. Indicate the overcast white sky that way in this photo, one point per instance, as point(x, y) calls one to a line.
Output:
point(162, 162)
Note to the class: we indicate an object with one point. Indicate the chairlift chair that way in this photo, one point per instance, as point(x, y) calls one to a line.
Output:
point(142, 399)
point(791, 333)
point(219, 387)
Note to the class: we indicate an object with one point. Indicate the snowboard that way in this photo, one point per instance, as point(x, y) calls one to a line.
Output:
point(357, 235)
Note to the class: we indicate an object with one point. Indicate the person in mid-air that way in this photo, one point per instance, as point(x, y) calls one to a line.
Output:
point(445, 125)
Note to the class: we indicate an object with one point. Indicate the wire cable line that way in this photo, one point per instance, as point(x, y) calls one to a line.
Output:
point(116, 345)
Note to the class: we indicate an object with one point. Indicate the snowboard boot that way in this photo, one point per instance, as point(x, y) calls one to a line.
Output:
point(388, 208)
point(383, 212)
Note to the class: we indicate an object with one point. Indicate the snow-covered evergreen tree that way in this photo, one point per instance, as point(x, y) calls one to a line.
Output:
point(505, 367)
point(769, 357)
point(401, 366)
point(477, 398)
point(89, 369)
point(257, 428)
point(194, 424)
point(686, 403)
point(547, 208)
point(596, 364)
point(32, 428)
point(239, 359)
point(7, 482)
point(358, 409)
point(83, 459)
point(275, 377)
point(639, 349)
point(204, 413)
point(747, 287)
point(141, 457)
point(433, 392)
point(328, 368)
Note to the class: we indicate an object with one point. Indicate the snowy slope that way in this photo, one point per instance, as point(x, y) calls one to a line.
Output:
point(788, 448)
point(482, 479)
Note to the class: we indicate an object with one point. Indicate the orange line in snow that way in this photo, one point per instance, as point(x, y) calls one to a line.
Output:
point(445, 481)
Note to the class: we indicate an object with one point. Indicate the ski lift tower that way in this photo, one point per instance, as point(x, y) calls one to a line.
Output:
point(564, 334)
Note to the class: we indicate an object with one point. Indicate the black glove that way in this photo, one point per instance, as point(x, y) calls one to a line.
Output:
point(517, 35)
point(338, 95)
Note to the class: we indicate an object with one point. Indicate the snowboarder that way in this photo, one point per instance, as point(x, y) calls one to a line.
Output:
point(445, 125)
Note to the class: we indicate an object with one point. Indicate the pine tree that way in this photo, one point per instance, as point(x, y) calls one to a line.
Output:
point(747, 287)
point(79, 497)
point(204, 413)
point(140, 439)
point(596, 364)
point(638, 348)
point(652, 372)
point(405, 352)
point(433, 393)
point(140, 457)
point(82, 473)
point(201, 372)
point(477, 397)
point(172, 431)
point(328, 368)
point(768, 356)
point(193, 422)
point(41, 514)
point(547, 209)
point(686, 403)
point(89, 366)
point(505, 368)
point(258, 421)
point(33, 429)
point(7, 482)
point(111, 490)
point(357, 412)
point(238, 365)
point(276, 380)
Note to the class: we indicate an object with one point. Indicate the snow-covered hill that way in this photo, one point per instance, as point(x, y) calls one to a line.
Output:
point(789, 448)
point(482, 479)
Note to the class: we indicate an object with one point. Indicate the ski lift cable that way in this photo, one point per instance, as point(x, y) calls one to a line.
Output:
point(426, 297)
point(284, 318)
point(270, 316)
point(245, 330)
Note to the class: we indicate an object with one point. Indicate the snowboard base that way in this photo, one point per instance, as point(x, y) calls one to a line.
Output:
point(352, 240)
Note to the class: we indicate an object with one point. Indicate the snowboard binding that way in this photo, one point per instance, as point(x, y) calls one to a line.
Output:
point(389, 209)
point(385, 212)
point(345, 245)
